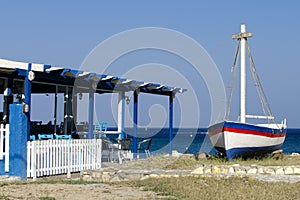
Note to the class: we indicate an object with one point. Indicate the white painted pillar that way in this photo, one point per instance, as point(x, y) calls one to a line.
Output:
point(121, 114)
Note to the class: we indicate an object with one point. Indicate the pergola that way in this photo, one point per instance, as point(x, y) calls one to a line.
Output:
point(27, 78)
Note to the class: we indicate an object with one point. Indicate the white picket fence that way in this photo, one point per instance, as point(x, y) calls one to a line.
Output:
point(4, 145)
point(53, 157)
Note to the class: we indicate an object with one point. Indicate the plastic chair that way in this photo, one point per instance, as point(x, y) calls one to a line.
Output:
point(101, 126)
point(145, 145)
point(59, 137)
point(32, 138)
point(124, 144)
point(45, 136)
point(107, 149)
point(124, 149)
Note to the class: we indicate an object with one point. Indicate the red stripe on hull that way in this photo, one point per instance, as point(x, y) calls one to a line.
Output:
point(252, 132)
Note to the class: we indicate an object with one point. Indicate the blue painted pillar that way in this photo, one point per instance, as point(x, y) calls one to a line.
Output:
point(18, 122)
point(135, 122)
point(27, 100)
point(91, 113)
point(171, 97)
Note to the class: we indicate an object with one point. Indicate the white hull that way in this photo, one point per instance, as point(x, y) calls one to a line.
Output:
point(238, 139)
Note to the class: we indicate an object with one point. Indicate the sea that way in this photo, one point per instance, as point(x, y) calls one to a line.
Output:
point(192, 140)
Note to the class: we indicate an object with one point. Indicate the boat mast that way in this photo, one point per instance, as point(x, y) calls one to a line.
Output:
point(243, 37)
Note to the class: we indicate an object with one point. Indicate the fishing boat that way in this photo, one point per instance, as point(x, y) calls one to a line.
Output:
point(241, 138)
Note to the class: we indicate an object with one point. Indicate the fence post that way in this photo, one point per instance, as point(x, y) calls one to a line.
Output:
point(33, 160)
point(69, 159)
point(7, 135)
point(1, 141)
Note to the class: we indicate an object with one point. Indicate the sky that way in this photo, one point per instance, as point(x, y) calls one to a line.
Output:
point(64, 33)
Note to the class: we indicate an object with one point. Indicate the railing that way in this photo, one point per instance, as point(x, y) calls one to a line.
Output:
point(53, 157)
point(4, 145)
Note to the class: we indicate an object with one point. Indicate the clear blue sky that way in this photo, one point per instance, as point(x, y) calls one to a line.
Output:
point(63, 33)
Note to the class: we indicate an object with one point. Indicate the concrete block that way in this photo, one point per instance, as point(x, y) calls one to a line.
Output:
point(260, 170)
point(153, 176)
point(297, 170)
point(231, 170)
point(106, 177)
point(224, 170)
point(269, 170)
point(279, 171)
point(115, 179)
point(252, 170)
point(216, 169)
point(207, 170)
point(240, 170)
point(199, 170)
point(288, 170)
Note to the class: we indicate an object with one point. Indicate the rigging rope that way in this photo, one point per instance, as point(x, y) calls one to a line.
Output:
point(233, 73)
point(261, 93)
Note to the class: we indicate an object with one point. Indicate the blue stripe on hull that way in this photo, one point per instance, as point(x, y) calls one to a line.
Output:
point(233, 153)
point(251, 127)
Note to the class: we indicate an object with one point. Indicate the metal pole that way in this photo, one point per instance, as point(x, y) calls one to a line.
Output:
point(69, 113)
point(66, 97)
point(74, 110)
point(91, 113)
point(243, 75)
point(135, 122)
point(55, 110)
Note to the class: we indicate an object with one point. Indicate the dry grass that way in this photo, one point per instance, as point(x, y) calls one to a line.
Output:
point(215, 188)
point(190, 163)
point(219, 188)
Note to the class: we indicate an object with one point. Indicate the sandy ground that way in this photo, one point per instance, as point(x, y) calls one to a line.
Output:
point(102, 191)
point(73, 191)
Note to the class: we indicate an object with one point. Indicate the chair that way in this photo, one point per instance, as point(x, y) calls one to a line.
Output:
point(107, 150)
point(45, 136)
point(32, 138)
point(100, 128)
point(145, 145)
point(59, 137)
point(103, 126)
point(124, 152)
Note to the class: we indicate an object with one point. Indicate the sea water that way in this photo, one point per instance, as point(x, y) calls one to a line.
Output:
point(197, 140)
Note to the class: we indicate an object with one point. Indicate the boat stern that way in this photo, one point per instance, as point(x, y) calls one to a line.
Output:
point(216, 136)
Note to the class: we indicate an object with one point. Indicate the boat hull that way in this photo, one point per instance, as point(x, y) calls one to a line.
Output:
point(240, 139)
